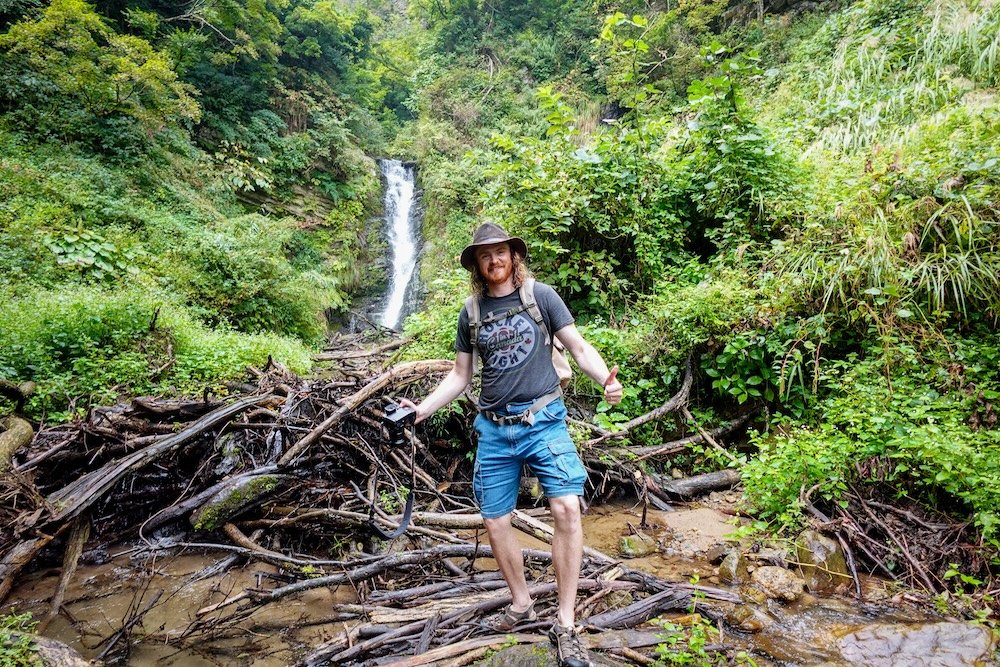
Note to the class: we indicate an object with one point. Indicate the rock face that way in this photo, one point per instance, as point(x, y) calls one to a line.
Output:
point(929, 645)
point(778, 583)
point(821, 561)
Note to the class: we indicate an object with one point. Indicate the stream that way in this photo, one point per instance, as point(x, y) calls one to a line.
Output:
point(110, 585)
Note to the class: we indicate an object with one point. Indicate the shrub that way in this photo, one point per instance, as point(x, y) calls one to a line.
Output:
point(83, 344)
point(919, 426)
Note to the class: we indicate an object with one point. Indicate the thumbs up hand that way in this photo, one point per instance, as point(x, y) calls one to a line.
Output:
point(612, 387)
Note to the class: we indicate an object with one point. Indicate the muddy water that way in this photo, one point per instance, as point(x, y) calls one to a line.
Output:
point(813, 631)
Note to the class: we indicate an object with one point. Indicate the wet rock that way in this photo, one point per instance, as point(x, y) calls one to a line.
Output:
point(748, 618)
point(821, 560)
point(538, 655)
point(717, 553)
point(753, 595)
point(771, 556)
point(54, 653)
point(927, 645)
point(778, 583)
point(636, 546)
point(733, 569)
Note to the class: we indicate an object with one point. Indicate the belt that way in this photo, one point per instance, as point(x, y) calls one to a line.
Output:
point(526, 417)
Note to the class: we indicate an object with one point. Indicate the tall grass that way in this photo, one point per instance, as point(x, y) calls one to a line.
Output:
point(888, 67)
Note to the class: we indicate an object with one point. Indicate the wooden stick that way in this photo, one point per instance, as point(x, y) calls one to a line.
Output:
point(398, 375)
point(672, 405)
point(358, 354)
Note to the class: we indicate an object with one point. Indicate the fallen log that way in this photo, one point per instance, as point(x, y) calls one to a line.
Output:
point(641, 611)
point(690, 487)
point(233, 498)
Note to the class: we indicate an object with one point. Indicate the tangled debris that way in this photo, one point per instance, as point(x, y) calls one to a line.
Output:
point(288, 466)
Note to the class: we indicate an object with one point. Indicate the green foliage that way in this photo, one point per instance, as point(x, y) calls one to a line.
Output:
point(920, 428)
point(738, 181)
point(91, 254)
point(237, 271)
point(690, 646)
point(16, 647)
point(599, 220)
point(877, 67)
point(90, 343)
point(69, 75)
point(743, 369)
point(434, 327)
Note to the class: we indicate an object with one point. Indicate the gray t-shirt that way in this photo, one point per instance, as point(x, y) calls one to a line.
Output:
point(516, 363)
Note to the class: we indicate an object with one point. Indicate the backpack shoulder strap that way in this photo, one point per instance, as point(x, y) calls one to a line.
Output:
point(475, 322)
point(527, 293)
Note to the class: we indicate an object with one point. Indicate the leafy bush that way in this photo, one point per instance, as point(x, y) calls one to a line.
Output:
point(920, 427)
point(16, 647)
point(88, 344)
point(68, 74)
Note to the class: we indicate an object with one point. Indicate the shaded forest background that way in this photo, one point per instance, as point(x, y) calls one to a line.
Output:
point(800, 197)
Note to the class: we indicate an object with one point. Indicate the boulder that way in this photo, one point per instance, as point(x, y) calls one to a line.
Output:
point(920, 645)
point(54, 653)
point(778, 583)
point(637, 546)
point(748, 618)
point(821, 561)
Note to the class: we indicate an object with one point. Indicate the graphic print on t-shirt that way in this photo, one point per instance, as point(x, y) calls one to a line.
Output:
point(507, 343)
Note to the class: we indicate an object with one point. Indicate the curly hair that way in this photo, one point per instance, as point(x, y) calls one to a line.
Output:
point(477, 284)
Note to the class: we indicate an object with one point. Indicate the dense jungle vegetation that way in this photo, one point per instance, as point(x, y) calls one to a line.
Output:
point(800, 197)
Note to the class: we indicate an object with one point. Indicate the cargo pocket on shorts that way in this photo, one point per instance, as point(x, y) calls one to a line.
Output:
point(567, 461)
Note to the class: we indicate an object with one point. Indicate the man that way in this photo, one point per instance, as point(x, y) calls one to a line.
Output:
point(523, 420)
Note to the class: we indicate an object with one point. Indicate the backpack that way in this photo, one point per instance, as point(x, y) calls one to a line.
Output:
point(526, 292)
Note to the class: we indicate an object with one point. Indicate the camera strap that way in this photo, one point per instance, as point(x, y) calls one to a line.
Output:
point(407, 510)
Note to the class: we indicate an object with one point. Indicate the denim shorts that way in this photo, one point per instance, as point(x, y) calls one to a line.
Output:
point(503, 449)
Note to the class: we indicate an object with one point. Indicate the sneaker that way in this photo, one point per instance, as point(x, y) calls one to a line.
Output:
point(509, 619)
point(569, 649)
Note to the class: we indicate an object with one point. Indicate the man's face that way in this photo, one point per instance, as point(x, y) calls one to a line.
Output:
point(495, 263)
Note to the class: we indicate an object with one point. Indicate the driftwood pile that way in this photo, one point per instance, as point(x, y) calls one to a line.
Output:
point(285, 467)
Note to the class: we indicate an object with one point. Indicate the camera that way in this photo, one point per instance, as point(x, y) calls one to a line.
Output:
point(396, 418)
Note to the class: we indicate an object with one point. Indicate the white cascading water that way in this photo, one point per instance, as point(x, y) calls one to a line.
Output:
point(400, 224)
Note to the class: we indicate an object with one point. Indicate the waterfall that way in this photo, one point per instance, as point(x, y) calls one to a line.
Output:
point(401, 222)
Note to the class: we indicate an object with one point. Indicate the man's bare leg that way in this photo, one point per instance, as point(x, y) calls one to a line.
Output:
point(507, 553)
point(567, 554)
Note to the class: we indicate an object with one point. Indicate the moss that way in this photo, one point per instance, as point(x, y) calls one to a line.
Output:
point(228, 502)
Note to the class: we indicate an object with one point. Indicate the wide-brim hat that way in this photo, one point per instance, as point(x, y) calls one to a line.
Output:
point(489, 233)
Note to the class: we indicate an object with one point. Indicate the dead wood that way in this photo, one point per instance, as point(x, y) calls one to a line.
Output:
point(691, 487)
point(397, 376)
point(77, 538)
point(16, 558)
point(85, 491)
point(675, 403)
point(361, 354)
point(667, 448)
